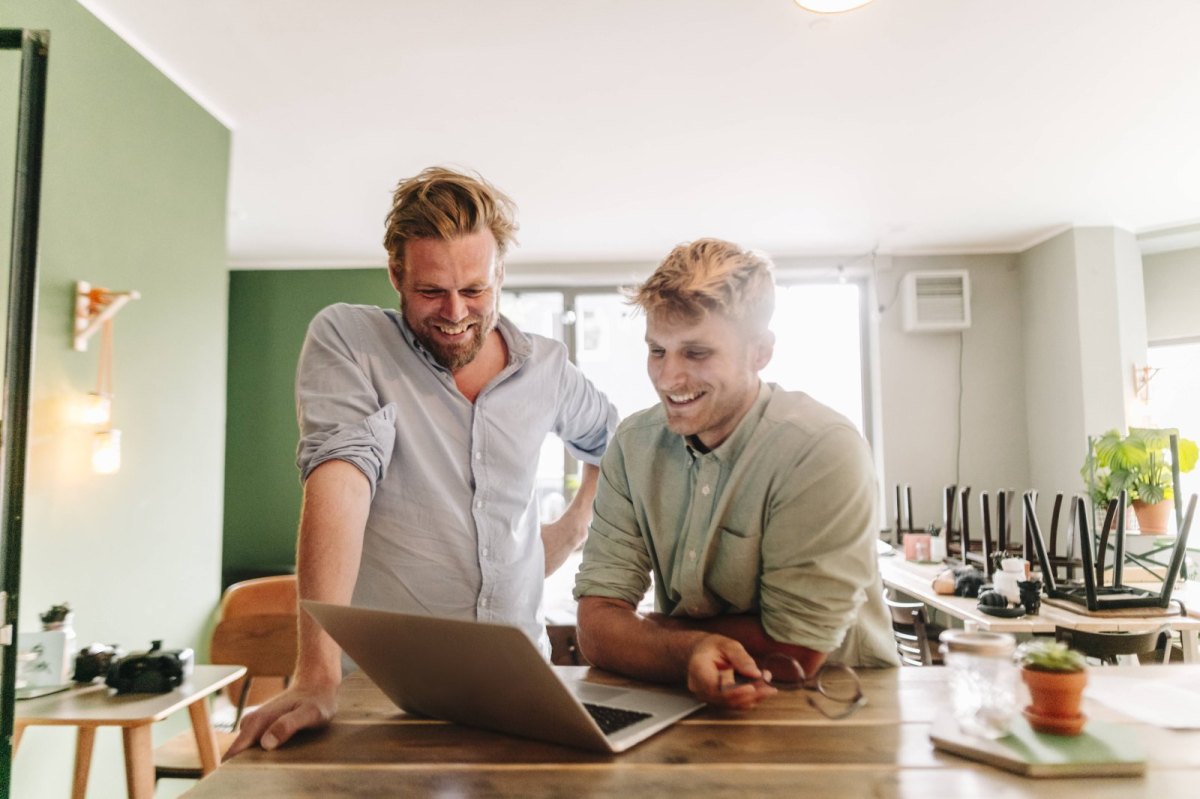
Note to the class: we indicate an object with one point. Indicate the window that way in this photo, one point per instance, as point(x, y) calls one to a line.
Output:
point(1173, 393)
point(820, 348)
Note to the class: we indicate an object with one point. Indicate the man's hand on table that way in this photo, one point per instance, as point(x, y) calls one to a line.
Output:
point(273, 724)
point(713, 667)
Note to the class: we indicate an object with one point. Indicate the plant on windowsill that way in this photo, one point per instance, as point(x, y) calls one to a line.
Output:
point(1055, 676)
point(1139, 463)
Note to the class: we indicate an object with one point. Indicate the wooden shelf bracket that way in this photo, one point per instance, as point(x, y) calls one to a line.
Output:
point(93, 307)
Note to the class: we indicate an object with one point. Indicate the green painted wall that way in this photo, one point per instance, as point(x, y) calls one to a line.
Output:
point(135, 181)
point(269, 312)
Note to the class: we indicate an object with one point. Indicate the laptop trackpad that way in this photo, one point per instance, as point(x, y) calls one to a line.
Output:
point(590, 692)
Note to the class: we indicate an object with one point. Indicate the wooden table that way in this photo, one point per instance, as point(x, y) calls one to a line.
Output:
point(782, 749)
point(916, 580)
point(95, 705)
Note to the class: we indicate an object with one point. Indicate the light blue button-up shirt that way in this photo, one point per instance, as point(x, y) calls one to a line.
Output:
point(453, 529)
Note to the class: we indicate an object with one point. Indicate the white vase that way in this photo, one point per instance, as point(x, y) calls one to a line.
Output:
point(1005, 582)
point(1014, 566)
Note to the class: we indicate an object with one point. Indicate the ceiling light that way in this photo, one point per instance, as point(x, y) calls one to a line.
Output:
point(831, 6)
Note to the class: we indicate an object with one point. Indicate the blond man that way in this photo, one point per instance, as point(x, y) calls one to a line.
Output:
point(420, 433)
point(753, 507)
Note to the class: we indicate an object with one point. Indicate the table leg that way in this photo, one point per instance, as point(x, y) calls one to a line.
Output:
point(18, 731)
point(139, 761)
point(206, 736)
point(85, 737)
point(1191, 651)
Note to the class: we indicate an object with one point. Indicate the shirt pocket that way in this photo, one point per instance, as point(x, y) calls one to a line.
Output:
point(735, 569)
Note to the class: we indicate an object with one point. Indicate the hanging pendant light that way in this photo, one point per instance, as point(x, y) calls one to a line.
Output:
point(831, 6)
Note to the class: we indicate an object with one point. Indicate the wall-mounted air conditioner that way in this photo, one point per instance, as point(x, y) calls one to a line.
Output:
point(936, 302)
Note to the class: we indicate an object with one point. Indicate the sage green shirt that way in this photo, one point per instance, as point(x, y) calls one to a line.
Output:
point(780, 519)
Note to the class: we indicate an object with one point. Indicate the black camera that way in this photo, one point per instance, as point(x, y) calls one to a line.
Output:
point(93, 661)
point(153, 672)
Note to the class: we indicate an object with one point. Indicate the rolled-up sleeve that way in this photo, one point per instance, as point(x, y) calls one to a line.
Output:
point(337, 406)
point(818, 546)
point(616, 563)
point(586, 419)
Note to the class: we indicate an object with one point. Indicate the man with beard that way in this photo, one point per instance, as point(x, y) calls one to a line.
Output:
point(420, 435)
point(753, 507)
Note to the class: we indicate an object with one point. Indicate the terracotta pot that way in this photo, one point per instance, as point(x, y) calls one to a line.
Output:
point(1153, 519)
point(1054, 694)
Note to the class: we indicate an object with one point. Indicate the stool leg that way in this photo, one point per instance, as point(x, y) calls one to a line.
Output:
point(206, 737)
point(18, 731)
point(84, 739)
point(139, 761)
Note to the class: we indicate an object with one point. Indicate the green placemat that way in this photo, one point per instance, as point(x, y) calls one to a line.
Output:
point(1103, 750)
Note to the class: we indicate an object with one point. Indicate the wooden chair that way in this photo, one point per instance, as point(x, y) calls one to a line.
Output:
point(904, 513)
point(1064, 565)
point(957, 529)
point(261, 596)
point(999, 538)
point(264, 642)
point(913, 633)
point(988, 546)
point(1109, 647)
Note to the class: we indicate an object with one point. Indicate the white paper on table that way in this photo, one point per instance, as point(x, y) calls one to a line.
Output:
point(1147, 700)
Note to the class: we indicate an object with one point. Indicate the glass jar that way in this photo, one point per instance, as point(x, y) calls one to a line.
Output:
point(983, 680)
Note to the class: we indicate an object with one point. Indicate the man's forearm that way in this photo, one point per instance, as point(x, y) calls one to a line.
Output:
point(614, 636)
point(747, 630)
point(565, 535)
point(332, 520)
point(585, 495)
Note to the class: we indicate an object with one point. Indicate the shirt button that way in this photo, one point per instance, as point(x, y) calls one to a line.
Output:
point(692, 555)
point(483, 603)
point(479, 503)
point(478, 456)
point(487, 553)
point(704, 491)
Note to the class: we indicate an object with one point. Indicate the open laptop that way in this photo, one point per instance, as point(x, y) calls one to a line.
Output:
point(1090, 594)
point(492, 676)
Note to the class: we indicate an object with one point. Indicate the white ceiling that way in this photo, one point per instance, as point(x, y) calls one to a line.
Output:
point(622, 127)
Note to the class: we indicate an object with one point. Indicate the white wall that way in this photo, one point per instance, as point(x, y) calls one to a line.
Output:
point(1172, 295)
point(920, 380)
point(1052, 356)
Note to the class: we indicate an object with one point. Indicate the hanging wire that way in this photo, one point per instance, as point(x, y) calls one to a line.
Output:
point(104, 367)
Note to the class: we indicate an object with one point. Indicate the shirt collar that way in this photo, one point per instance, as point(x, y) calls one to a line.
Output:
point(520, 346)
point(729, 449)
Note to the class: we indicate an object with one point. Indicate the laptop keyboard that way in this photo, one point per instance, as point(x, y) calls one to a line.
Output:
point(612, 719)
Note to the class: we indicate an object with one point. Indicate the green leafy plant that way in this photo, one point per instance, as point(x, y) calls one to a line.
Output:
point(1046, 655)
point(998, 559)
point(1139, 463)
point(55, 614)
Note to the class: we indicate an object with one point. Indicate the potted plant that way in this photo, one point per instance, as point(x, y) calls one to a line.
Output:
point(1140, 464)
point(1055, 676)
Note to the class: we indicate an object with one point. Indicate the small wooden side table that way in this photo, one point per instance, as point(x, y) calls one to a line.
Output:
point(95, 705)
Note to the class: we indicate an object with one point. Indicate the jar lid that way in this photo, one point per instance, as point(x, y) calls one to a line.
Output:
point(977, 643)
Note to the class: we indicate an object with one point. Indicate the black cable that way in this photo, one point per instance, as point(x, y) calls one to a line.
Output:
point(958, 445)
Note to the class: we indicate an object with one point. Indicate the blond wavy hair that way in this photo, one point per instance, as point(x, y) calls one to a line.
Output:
point(441, 203)
point(710, 276)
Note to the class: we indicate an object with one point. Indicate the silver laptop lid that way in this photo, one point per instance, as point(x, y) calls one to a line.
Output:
point(483, 675)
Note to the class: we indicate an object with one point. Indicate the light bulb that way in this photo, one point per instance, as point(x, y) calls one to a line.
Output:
point(97, 408)
point(106, 452)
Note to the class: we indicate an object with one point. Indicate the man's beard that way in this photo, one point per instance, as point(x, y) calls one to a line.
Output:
point(453, 356)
